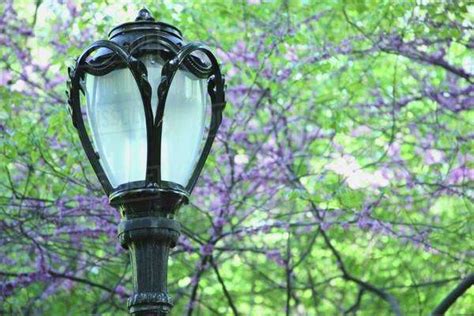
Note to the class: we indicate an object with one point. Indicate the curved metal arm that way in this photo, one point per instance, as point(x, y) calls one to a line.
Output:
point(215, 90)
point(81, 67)
point(171, 67)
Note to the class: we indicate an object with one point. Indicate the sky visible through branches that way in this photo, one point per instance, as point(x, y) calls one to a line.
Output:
point(340, 183)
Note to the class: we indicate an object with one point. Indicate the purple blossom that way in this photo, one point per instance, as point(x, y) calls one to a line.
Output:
point(265, 228)
point(433, 156)
point(50, 290)
point(325, 226)
point(267, 72)
point(184, 242)
point(206, 249)
point(290, 54)
point(345, 225)
point(439, 54)
point(59, 79)
point(68, 285)
point(361, 130)
point(5, 77)
point(72, 7)
point(240, 53)
point(232, 72)
point(122, 291)
point(345, 47)
point(276, 257)
point(219, 222)
point(461, 174)
point(283, 74)
point(394, 150)
point(25, 31)
point(222, 55)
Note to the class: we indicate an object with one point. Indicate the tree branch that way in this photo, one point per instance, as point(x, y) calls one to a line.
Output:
point(365, 285)
point(457, 292)
point(80, 280)
point(224, 288)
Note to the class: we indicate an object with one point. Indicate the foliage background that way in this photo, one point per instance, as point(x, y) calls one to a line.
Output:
point(341, 181)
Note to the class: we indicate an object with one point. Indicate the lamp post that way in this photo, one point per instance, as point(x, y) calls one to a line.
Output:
point(147, 107)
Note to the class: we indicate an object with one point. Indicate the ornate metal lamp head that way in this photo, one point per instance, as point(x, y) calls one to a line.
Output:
point(145, 95)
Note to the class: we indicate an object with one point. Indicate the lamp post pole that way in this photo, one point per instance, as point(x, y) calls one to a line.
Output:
point(143, 129)
point(148, 233)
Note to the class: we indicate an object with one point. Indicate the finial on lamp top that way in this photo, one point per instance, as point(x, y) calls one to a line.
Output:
point(144, 15)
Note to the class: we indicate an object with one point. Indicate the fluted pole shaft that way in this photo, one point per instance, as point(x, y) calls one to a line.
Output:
point(149, 240)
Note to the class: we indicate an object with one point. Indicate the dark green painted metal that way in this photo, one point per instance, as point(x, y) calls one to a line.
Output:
point(149, 240)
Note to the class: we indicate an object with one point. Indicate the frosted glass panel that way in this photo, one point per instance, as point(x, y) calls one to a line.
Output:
point(117, 120)
point(183, 122)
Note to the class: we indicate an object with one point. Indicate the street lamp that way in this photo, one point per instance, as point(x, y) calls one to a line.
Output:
point(147, 107)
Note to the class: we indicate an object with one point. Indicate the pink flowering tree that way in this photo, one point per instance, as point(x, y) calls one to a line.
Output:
point(341, 181)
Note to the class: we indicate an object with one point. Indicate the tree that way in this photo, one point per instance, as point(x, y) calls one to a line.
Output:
point(340, 182)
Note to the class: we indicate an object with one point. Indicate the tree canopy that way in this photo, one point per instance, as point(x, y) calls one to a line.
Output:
point(340, 183)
